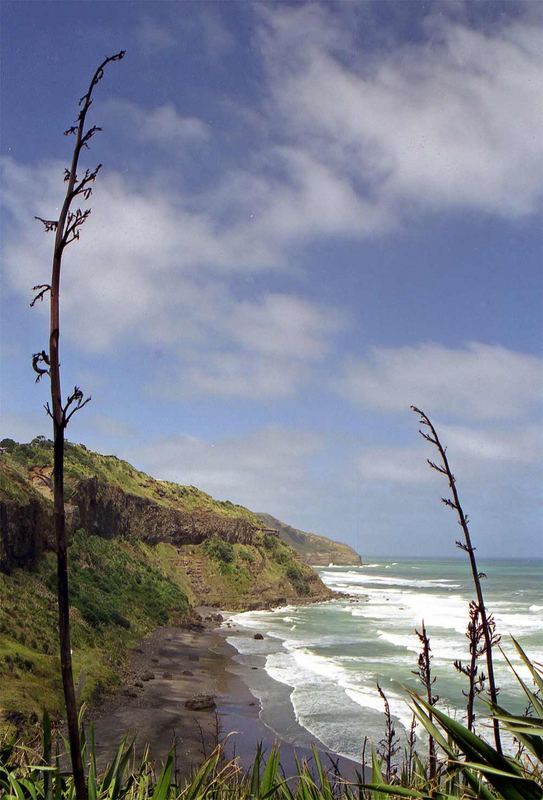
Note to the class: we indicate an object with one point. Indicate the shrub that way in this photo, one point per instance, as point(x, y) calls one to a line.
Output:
point(296, 577)
point(220, 550)
point(283, 556)
point(293, 572)
point(245, 554)
point(270, 541)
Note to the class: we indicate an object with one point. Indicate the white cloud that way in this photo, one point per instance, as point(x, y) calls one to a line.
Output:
point(162, 125)
point(284, 325)
point(150, 270)
point(353, 140)
point(266, 348)
point(353, 144)
point(23, 427)
point(454, 121)
point(237, 374)
point(477, 382)
point(267, 469)
point(476, 454)
point(291, 197)
point(516, 444)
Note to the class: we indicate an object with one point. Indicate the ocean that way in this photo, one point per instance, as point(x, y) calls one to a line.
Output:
point(326, 659)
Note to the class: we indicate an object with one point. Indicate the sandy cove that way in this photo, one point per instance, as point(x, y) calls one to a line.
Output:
point(173, 665)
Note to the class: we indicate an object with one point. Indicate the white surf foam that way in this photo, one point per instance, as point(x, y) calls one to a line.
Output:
point(379, 633)
point(318, 684)
point(362, 579)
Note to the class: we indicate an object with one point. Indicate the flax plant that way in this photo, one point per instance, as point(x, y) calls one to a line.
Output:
point(67, 229)
point(473, 769)
point(466, 545)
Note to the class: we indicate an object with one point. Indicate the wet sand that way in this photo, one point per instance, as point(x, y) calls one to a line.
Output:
point(173, 665)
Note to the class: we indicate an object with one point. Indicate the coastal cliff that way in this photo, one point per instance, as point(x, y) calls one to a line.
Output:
point(319, 551)
point(142, 553)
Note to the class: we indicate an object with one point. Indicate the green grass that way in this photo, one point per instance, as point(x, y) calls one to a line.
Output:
point(81, 463)
point(242, 576)
point(14, 484)
point(468, 769)
point(220, 551)
point(295, 571)
point(121, 589)
point(118, 594)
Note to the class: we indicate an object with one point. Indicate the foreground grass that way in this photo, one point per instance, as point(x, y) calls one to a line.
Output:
point(124, 779)
point(469, 768)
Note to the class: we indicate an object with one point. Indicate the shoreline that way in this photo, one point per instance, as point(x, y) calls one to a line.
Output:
point(175, 664)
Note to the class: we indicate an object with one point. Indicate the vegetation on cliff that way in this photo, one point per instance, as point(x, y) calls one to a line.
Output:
point(32, 464)
point(142, 551)
point(312, 548)
point(118, 594)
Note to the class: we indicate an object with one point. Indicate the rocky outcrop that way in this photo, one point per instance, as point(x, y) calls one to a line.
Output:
point(201, 702)
point(223, 552)
point(26, 528)
point(106, 510)
point(312, 548)
point(25, 531)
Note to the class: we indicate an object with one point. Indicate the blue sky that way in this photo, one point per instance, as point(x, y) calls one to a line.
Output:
point(310, 216)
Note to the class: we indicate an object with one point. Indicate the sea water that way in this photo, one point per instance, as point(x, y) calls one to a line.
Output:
point(331, 655)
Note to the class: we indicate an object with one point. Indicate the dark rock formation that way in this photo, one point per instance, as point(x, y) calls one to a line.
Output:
point(26, 528)
point(201, 702)
point(105, 510)
point(25, 531)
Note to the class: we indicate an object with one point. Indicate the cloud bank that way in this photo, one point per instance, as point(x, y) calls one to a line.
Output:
point(475, 382)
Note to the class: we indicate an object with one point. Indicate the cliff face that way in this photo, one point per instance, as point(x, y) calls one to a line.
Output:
point(312, 548)
point(25, 518)
point(107, 497)
point(142, 551)
point(25, 531)
point(103, 509)
point(219, 549)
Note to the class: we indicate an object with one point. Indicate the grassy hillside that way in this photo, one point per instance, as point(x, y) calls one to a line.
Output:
point(121, 586)
point(118, 594)
point(312, 548)
point(243, 576)
point(26, 466)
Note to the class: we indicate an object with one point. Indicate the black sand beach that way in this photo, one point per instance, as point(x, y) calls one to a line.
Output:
point(173, 665)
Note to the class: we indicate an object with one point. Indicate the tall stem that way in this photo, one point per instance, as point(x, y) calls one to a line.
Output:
point(424, 673)
point(66, 231)
point(59, 425)
point(455, 504)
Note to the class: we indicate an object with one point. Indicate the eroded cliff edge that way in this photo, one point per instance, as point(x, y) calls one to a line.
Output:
point(142, 553)
point(222, 551)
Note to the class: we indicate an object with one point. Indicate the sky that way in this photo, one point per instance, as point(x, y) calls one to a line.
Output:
point(310, 216)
